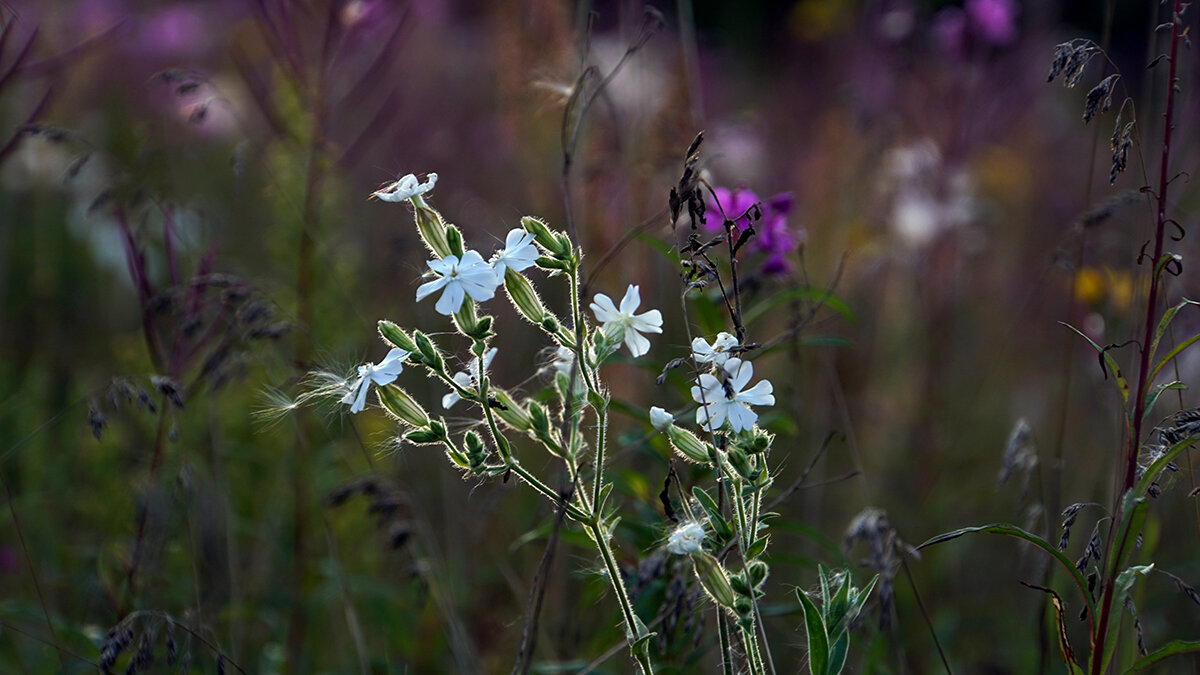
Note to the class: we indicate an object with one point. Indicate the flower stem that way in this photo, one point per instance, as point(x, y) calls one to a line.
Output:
point(634, 630)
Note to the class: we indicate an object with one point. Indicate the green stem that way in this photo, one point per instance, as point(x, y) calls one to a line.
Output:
point(601, 429)
point(726, 646)
point(634, 630)
point(537, 484)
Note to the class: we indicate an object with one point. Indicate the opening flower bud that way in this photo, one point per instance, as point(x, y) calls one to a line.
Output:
point(431, 227)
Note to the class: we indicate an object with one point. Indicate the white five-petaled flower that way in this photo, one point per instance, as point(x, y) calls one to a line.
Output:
point(715, 354)
point(469, 276)
point(468, 379)
point(384, 373)
point(405, 188)
point(686, 539)
point(518, 253)
point(661, 419)
point(631, 325)
point(722, 399)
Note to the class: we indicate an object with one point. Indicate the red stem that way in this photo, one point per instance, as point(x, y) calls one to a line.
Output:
point(1139, 405)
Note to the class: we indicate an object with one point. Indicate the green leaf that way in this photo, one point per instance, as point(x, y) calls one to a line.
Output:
point(1167, 650)
point(835, 611)
point(1110, 362)
point(1014, 531)
point(1165, 321)
point(1152, 397)
point(818, 639)
point(757, 548)
point(1171, 355)
point(837, 653)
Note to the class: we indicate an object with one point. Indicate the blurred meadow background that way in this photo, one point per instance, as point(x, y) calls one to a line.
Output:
point(185, 233)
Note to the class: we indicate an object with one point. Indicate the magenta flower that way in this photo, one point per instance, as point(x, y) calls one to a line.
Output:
point(993, 21)
point(772, 237)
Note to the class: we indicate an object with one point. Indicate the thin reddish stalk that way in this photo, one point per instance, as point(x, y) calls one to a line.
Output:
point(1139, 405)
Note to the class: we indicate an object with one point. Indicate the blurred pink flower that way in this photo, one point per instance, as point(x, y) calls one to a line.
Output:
point(772, 234)
point(993, 21)
point(179, 29)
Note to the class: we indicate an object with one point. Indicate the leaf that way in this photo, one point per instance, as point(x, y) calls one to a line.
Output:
point(1167, 650)
point(1165, 321)
point(1172, 354)
point(757, 548)
point(1118, 378)
point(1014, 531)
point(1152, 397)
point(1064, 643)
point(818, 639)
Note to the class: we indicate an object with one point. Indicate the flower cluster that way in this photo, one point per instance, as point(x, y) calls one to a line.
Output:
point(772, 235)
point(470, 275)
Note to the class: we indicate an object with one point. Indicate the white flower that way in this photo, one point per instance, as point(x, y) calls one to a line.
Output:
point(716, 354)
point(405, 188)
point(469, 378)
point(686, 539)
point(630, 325)
point(384, 373)
point(720, 400)
point(469, 276)
point(661, 419)
point(518, 253)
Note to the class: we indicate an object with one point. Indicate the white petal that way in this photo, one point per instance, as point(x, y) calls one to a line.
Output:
point(425, 289)
point(637, 343)
point(740, 417)
point(649, 322)
point(604, 309)
point(444, 266)
point(740, 373)
point(450, 399)
point(632, 299)
point(451, 300)
point(701, 351)
point(360, 401)
point(759, 394)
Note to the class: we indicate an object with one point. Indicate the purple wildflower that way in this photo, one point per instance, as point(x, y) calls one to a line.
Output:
point(993, 21)
point(772, 235)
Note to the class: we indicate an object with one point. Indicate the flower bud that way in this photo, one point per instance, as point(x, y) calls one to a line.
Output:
point(713, 578)
point(542, 235)
point(399, 403)
point(687, 444)
point(539, 421)
point(510, 412)
point(429, 353)
point(396, 336)
point(756, 572)
point(741, 464)
point(454, 240)
point(661, 419)
point(431, 227)
point(523, 297)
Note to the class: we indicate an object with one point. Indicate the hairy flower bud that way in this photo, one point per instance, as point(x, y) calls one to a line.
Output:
point(396, 336)
point(713, 578)
point(510, 412)
point(687, 444)
point(523, 296)
point(399, 403)
point(544, 237)
point(431, 227)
